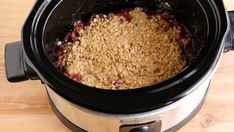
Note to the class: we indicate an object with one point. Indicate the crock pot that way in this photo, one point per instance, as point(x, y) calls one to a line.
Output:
point(165, 106)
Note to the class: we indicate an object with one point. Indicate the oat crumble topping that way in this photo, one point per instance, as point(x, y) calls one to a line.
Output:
point(124, 50)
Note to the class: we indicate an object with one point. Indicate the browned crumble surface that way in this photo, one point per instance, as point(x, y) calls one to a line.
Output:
point(114, 54)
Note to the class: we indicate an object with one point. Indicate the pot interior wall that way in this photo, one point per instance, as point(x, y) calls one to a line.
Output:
point(60, 20)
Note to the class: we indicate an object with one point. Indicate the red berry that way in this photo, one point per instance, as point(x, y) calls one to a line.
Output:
point(76, 77)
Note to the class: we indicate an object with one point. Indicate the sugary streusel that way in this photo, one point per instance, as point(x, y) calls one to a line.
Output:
point(126, 51)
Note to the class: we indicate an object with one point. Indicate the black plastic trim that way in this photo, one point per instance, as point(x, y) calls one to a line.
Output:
point(14, 62)
point(15, 66)
point(229, 42)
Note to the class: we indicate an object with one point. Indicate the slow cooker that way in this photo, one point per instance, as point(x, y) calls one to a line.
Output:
point(165, 106)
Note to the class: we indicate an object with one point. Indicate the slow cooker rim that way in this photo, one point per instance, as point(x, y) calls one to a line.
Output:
point(101, 90)
point(138, 89)
point(37, 68)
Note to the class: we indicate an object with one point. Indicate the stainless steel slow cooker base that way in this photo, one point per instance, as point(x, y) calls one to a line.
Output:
point(75, 128)
point(167, 118)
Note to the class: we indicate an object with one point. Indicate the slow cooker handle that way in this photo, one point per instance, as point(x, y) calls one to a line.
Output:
point(229, 42)
point(15, 65)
